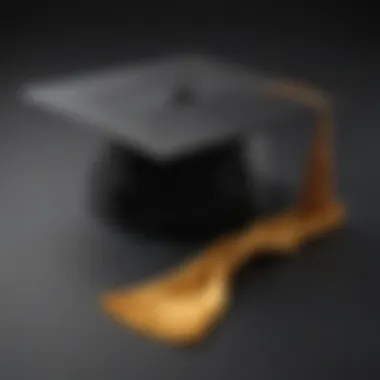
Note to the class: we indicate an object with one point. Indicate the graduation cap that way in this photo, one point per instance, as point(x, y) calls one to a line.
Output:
point(175, 128)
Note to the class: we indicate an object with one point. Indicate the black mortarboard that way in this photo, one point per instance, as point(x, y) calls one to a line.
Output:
point(174, 124)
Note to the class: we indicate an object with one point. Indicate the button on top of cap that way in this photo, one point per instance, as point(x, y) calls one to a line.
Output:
point(183, 95)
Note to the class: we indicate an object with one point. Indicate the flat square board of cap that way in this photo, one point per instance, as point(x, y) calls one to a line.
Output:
point(167, 107)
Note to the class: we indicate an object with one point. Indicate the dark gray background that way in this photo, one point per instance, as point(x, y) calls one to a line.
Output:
point(313, 317)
